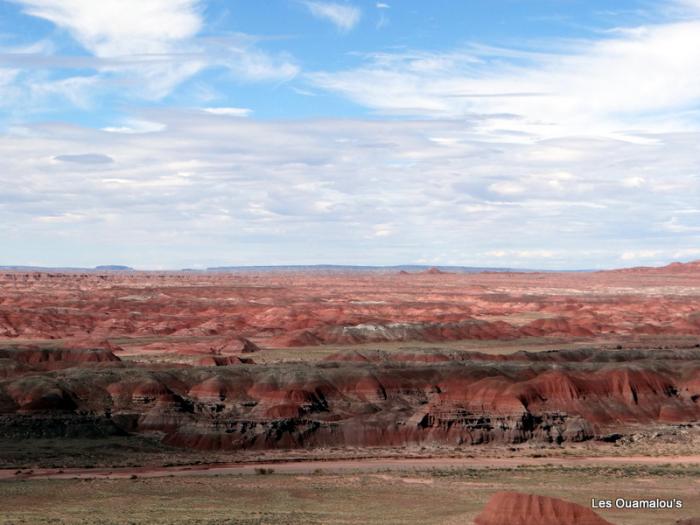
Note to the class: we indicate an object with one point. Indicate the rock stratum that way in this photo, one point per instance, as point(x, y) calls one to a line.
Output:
point(189, 358)
point(361, 399)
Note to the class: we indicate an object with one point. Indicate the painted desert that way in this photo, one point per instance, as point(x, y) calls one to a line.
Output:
point(427, 396)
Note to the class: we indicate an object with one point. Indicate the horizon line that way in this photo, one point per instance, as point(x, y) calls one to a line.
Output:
point(319, 266)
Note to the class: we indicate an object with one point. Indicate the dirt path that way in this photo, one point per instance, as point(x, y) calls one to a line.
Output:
point(336, 466)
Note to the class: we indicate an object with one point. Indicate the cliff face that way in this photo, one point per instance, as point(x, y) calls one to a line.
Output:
point(375, 399)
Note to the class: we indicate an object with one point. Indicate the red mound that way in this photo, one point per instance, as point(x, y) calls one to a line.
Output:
point(515, 508)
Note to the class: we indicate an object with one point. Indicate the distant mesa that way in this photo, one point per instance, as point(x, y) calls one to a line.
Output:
point(516, 508)
point(434, 271)
point(673, 268)
point(683, 267)
point(113, 268)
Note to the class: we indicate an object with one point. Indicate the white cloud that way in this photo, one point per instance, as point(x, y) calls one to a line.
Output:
point(250, 63)
point(633, 182)
point(132, 38)
point(63, 218)
point(506, 188)
point(640, 254)
point(595, 88)
point(382, 5)
point(229, 112)
point(345, 191)
point(135, 126)
point(141, 49)
point(343, 16)
point(114, 28)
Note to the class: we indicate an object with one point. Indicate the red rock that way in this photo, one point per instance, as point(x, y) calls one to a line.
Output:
point(362, 398)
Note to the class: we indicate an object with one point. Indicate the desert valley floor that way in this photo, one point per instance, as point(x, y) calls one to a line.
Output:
point(349, 397)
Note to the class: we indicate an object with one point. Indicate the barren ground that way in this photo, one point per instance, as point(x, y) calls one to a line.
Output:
point(414, 390)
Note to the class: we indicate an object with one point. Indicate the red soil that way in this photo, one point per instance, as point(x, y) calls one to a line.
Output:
point(515, 508)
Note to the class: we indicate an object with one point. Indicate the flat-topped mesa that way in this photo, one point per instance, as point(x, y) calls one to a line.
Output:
point(516, 508)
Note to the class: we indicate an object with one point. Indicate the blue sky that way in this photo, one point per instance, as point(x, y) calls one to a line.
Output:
point(185, 133)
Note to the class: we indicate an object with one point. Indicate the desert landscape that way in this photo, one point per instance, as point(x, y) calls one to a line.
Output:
point(349, 262)
point(290, 396)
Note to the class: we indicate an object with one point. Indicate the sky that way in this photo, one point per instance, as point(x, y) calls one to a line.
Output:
point(165, 134)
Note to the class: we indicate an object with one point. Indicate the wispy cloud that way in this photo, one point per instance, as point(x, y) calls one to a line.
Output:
point(229, 112)
point(138, 49)
point(599, 87)
point(343, 16)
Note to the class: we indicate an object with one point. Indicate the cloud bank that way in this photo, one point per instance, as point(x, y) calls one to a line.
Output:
point(563, 154)
point(211, 189)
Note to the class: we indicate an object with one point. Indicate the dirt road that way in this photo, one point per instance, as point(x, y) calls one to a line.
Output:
point(350, 465)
